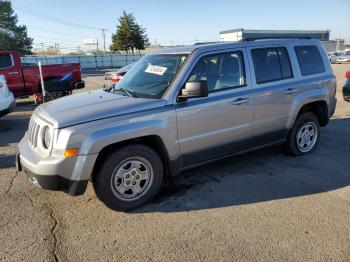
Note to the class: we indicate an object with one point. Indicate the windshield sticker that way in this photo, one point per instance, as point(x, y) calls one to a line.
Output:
point(158, 70)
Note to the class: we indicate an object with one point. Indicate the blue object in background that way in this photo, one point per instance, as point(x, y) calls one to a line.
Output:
point(66, 77)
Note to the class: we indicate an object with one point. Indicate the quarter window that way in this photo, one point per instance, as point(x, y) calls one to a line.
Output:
point(271, 64)
point(5, 60)
point(221, 71)
point(310, 60)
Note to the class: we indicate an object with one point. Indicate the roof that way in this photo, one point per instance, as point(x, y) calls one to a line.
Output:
point(204, 47)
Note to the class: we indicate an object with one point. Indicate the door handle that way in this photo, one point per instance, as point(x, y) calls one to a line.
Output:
point(239, 101)
point(291, 90)
point(13, 73)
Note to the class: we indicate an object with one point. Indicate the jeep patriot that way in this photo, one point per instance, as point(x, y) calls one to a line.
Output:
point(176, 109)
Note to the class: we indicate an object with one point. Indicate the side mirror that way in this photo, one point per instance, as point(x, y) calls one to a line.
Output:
point(194, 89)
point(79, 85)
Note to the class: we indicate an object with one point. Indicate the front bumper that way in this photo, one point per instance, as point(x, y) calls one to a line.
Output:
point(54, 182)
point(70, 175)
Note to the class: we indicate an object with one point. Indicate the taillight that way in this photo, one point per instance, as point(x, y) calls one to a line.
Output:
point(116, 78)
point(347, 75)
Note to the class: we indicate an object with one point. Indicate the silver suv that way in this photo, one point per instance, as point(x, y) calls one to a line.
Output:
point(176, 109)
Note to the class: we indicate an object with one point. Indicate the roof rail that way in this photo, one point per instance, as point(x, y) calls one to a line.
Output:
point(203, 43)
point(272, 38)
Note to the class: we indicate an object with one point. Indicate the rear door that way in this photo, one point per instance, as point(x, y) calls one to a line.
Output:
point(273, 81)
point(12, 73)
point(221, 123)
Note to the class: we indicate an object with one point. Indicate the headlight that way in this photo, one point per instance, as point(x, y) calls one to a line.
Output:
point(47, 137)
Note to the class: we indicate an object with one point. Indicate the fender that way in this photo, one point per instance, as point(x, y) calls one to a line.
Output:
point(304, 98)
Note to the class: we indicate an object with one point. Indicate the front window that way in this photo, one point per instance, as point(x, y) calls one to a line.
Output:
point(5, 61)
point(151, 76)
point(221, 71)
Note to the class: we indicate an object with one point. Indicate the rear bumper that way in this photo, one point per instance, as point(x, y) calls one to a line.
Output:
point(343, 61)
point(346, 91)
point(79, 85)
point(10, 108)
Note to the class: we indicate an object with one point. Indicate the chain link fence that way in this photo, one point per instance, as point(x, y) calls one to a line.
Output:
point(86, 61)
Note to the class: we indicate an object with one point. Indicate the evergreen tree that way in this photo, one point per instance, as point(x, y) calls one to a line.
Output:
point(12, 36)
point(129, 36)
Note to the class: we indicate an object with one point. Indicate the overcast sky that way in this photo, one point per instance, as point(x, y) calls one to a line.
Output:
point(177, 21)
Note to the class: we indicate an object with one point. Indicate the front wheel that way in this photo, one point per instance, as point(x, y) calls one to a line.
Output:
point(304, 136)
point(129, 177)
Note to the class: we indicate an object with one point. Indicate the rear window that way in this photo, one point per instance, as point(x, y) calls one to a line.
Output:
point(271, 64)
point(310, 60)
point(5, 60)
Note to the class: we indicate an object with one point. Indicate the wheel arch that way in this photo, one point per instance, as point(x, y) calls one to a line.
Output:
point(319, 108)
point(153, 141)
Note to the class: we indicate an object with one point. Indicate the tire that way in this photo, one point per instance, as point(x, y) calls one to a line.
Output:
point(305, 122)
point(122, 182)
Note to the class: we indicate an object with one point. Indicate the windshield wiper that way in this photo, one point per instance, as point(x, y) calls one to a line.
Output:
point(130, 93)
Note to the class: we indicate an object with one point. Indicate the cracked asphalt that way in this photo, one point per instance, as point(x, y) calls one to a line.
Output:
point(261, 206)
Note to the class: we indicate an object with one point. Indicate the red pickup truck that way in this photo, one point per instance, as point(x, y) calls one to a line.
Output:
point(24, 80)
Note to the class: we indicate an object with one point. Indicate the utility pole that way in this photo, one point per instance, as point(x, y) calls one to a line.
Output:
point(42, 46)
point(155, 41)
point(57, 47)
point(104, 39)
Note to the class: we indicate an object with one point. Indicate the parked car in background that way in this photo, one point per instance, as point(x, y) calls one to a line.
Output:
point(7, 100)
point(116, 76)
point(24, 80)
point(346, 87)
point(177, 109)
point(333, 56)
point(343, 58)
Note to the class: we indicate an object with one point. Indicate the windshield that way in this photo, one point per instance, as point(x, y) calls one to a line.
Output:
point(151, 76)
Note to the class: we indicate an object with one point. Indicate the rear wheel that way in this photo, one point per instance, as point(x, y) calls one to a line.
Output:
point(304, 136)
point(129, 177)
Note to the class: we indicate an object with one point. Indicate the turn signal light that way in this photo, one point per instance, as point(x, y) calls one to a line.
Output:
point(347, 75)
point(71, 152)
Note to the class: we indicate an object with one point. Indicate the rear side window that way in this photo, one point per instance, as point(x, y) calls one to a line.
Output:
point(310, 60)
point(271, 64)
point(5, 60)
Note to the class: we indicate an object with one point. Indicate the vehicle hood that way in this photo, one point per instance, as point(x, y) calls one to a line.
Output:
point(90, 106)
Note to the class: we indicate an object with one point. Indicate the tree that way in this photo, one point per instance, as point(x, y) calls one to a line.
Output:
point(129, 36)
point(12, 36)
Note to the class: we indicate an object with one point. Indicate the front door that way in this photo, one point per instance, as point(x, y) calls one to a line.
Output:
point(221, 123)
point(12, 74)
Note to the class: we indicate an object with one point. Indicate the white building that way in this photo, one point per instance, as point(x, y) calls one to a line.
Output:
point(246, 34)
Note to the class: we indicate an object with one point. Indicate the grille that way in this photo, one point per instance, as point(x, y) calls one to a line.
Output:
point(33, 133)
